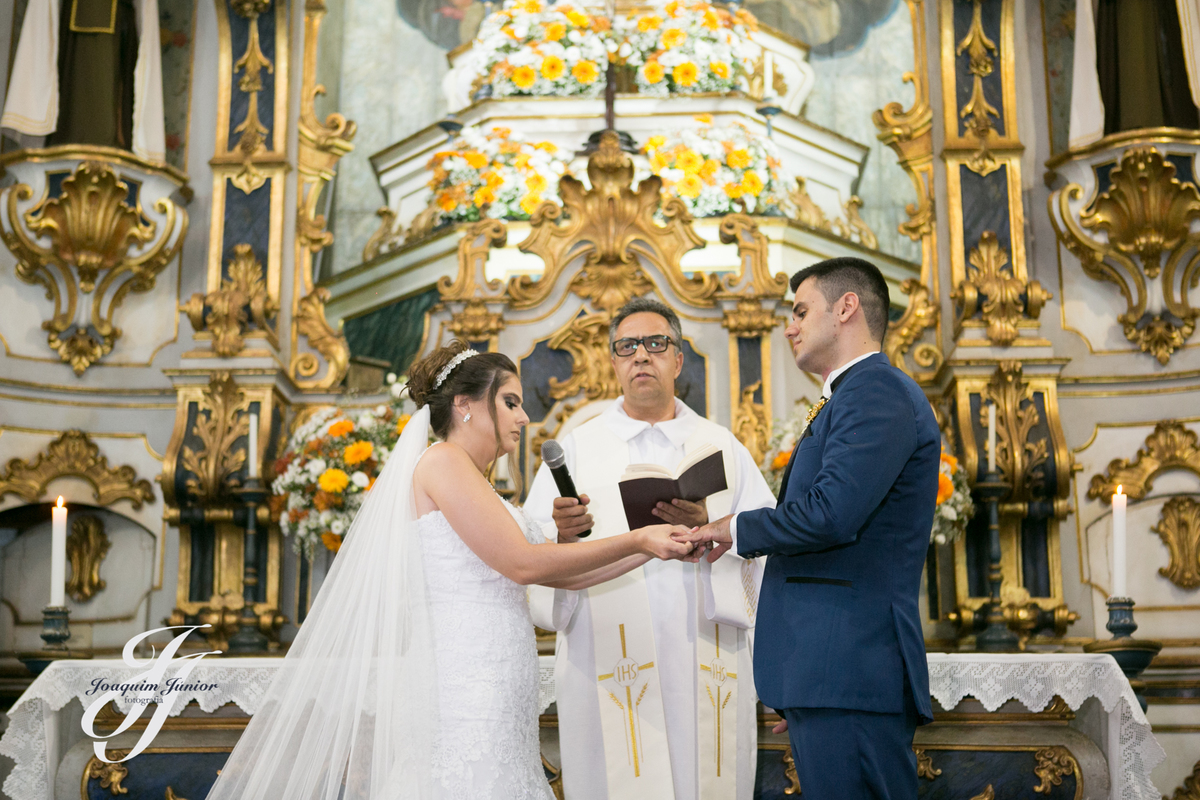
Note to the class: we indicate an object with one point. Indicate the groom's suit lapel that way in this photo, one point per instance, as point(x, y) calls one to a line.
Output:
point(787, 472)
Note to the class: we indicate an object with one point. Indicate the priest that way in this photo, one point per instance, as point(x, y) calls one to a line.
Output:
point(653, 671)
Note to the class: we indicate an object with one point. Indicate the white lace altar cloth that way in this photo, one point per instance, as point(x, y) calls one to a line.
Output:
point(1034, 680)
point(33, 738)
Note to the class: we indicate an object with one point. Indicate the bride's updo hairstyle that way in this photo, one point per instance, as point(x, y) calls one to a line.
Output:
point(476, 377)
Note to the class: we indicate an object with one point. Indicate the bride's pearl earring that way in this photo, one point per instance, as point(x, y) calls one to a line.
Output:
point(467, 418)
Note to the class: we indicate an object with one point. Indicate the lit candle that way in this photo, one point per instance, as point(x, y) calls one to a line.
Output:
point(768, 75)
point(991, 444)
point(58, 554)
point(252, 446)
point(1119, 502)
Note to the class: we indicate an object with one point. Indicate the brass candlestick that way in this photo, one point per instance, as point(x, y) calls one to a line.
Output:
point(997, 637)
point(248, 638)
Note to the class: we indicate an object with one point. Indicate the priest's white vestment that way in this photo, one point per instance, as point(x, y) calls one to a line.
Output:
point(681, 597)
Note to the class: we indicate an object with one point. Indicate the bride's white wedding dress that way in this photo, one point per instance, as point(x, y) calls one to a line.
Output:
point(487, 672)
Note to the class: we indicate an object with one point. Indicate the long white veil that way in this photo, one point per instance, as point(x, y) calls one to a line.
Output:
point(352, 712)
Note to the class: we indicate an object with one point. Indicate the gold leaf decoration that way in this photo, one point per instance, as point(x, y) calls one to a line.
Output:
point(87, 546)
point(855, 227)
point(1169, 446)
point(1053, 764)
point(75, 455)
point(1179, 529)
point(475, 322)
point(109, 775)
point(220, 422)
point(1190, 788)
point(1006, 299)
point(310, 323)
point(473, 251)
point(226, 317)
point(925, 768)
point(750, 423)
point(789, 772)
point(921, 314)
point(1018, 459)
point(806, 210)
point(586, 339)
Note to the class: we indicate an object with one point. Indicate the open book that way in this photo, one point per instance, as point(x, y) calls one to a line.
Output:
point(643, 486)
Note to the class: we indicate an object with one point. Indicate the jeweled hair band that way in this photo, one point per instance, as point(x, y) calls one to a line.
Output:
point(454, 362)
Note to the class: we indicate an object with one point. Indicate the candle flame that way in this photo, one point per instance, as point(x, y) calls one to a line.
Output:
point(60, 501)
point(1118, 488)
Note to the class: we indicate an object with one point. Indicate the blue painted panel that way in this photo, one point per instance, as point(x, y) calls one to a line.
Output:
point(750, 364)
point(537, 369)
point(188, 774)
point(247, 221)
point(392, 333)
point(985, 208)
point(968, 773)
point(239, 101)
point(993, 89)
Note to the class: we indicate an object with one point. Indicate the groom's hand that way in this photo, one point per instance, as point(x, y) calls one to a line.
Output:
point(571, 517)
point(682, 512)
point(715, 535)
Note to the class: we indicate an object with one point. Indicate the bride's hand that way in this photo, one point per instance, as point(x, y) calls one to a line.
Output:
point(657, 541)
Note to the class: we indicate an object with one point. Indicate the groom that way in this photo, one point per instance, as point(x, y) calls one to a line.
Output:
point(839, 649)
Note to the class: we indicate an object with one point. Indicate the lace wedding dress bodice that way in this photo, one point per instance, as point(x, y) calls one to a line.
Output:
point(488, 747)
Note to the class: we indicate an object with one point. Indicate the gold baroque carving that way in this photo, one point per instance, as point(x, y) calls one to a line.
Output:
point(610, 226)
point(1190, 788)
point(755, 275)
point(922, 313)
point(170, 795)
point(386, 238)
point(475, 322)
point(1179, 529)
point(251, 64)
point(750, 423)
point(1146, 213)
point(1006, 298)
point(925, 768)
point(750, 319)
point(215, 464)
point(109, 775)
point(789, 772)
point(586, 339)
point(855, 227)
point(310, 322)
point(1019, 460)
point(75, 455)
point(978, 111)
point(87, 546)
point(987, 794)
point(473, 249)
point(1169, 446)
point(806, 209)
point(91, 231)
point(227, 318)
point(1053, 764)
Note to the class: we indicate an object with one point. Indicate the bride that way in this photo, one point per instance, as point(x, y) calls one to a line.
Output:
point(415, 674)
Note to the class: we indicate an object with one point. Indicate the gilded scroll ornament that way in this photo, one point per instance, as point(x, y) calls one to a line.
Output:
point(109, 775)
point(221, 420)
point(1179, 529)
point(475, 322)
point(251, 64)
point(805, 208)
point(586, 339)
point(987, 794)
point(170, 795)
point(921, 314)
point(1006, 298)
point(75, 455)
point(91, 229)
point(310, 322)
point(855, 228)
point(749, 318)
point(87, 546)
point(386, 238)
point(755, 279)
point(1170, 446)
point(789, 772)
point(977, 111)
point(1020, 460)
point(1190, 788)
point(473, 249)
point(226, 313)
point(750, 423)
point(925, 768)
point(610, 226)
point(1053, 764)
point(1146, 213)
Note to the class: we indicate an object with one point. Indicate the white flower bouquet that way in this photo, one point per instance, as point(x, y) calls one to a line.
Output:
point(720, 170)
point(954, 505)
point(532, 48)
point(495, 174)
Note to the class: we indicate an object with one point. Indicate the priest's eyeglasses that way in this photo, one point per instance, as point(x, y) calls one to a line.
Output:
point(653, 344)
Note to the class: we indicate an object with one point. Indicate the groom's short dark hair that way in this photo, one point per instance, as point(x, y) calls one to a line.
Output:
point(836, 276)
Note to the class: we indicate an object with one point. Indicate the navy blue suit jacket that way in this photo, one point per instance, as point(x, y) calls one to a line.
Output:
point(838, 624)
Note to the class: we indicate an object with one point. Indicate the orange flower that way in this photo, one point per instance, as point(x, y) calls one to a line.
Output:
point(945, 488)
point(483, 196)
point(341, 428)
point(475, 160)
point(950, 461)
point(745, 18)
point(600, 24)
point(523, 77)
point(555, 31)
point(400, 423)
point(733, 190)
point(370, 485)
point(552, 68)
point(314, 446)
point(690, 186)
point(333, 480)
point(685, 74)
point(357, 453)
point(738, 159)
point(781, 460)
point(653, 71)
point(751, 183)
point(500, 133)
point(331, 541)
point(689, 161)
point(711, 21)
point(323, 501)
point(720, 69)
point(649, 22)
point(530, 202)
point(446, 202)
point(673, 37)
point(672, 7)
point(492, 179)
point(709, 170)
point(509, 31)
point(549, 147)
point(585, 72)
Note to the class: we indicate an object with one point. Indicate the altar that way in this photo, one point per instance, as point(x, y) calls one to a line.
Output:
point(1062, 725)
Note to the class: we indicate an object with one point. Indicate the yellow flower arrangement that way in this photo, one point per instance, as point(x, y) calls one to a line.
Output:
point(357, 453)
point(685, 74)
point(653, 72)
point(751, 183)
point(331, 541)
point(552, 68)
point(333, 480)
point(585, 72)
point(720, 69)
point(555, 31)
point(954, 505)
point(738, 159)
point(649, 22)
point(523, 77)
point(673, 37)
point(401, 422)
point(341, 428)
point(536, 48)
point(702, 47)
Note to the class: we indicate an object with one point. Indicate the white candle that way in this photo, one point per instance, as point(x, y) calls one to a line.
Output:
point(768, 75)
point(252, 446)
point(991, 444)
point(58, 554)
point(1119, 502)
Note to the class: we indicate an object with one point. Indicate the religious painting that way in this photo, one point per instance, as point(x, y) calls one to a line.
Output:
point(827, 26)
point(446, 23)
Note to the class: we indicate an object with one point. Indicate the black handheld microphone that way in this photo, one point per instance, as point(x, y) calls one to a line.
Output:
point(556, 460)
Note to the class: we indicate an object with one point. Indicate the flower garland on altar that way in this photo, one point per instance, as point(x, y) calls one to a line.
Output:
point(717, 170)
point(497, 174)
point(784, 436)
point(685, 47)
point(954, 505)
point(530, 48)
point(327, 468)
